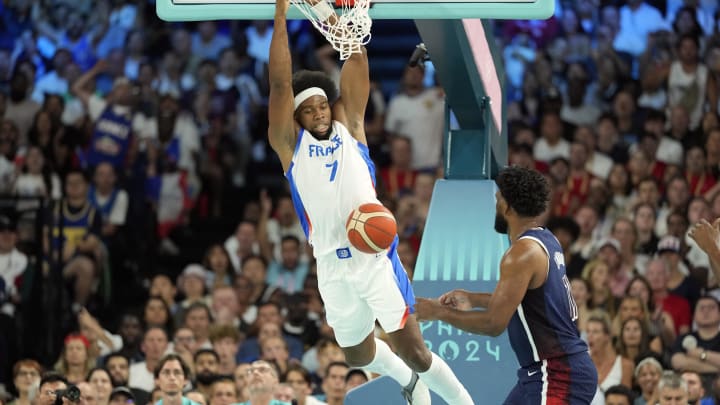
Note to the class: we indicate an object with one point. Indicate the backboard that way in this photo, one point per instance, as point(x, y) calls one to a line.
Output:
point(200, 10)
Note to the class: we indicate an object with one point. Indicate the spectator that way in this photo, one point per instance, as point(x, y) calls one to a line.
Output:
point(417, 113)
point(679, 281)
point(224, 306)
point(634, 339)
point(677, 307)
point(223, 392)
point(206, 365)
point(273, 230)
point(99, 378)
point(154, 345)
point(242, 244)
point(37, 178)
point(696, 391)
point(612, 368)
point(699, 350)
point(26, 376)
point(156, 314)
point(118, 367)
point(334, 383)
point(647, 375)
point(217, 261)
point(122, 396)
point(284, 393)
point(672, 389)
point(76, 247)
point(596, 273)
point(299, 379)
point(198, 318)
point(130, 331)
point(240, 376)
point(171, 375)
point(289, 273)
point(226, 340)
point(207, 42)
point(13, 263)
point(21, 109)
point(110, 200)
point(637, 20)
point(50, 383)
point(618, 395)
point(355, 377)
point(262, 381)
point(75, 360)
point(192, 284)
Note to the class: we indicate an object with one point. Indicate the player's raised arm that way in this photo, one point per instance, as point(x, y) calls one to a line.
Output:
point(281, 132)
point(354, 94)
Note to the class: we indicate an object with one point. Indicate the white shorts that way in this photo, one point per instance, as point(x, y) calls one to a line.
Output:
point(358, 288)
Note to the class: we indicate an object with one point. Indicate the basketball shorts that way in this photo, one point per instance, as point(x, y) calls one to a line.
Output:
point(357, 288)
point(564, 380)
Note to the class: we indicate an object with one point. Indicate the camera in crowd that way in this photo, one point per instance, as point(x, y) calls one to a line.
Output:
point(72, 393)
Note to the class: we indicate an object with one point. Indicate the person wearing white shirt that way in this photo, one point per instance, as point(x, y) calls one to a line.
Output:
point(419, 114)
point(637, 20)
point(12, 262)
point(551, 144)
point(154, 345)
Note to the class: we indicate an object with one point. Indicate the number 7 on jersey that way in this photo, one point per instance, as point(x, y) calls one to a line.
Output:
point(333, 172)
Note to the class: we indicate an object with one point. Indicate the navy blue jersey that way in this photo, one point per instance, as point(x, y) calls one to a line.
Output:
point(543, 326)
point(111, 139)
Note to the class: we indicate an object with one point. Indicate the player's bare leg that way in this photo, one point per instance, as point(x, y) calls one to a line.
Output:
point(375, 355)
point(431, 369)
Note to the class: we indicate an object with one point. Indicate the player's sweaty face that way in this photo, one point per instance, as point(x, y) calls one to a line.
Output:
point(315, 115)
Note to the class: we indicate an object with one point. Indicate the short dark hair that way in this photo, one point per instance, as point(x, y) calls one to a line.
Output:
point(211, 352)
point(171, 357)
point(117, 354)
point(525, 190)
point(621, 390)
point(304, 79)
point(298, 369)
point(564, 223)
point(51, 377)
point(292, 238)
point(336, 364)
point(198, 305)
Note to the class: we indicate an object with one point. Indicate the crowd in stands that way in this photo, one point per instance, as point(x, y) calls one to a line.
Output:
point(143, 213)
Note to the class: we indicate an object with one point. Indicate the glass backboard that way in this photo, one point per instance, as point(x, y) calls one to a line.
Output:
point(199, 10)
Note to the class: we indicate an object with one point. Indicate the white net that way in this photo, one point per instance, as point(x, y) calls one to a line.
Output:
point(347, 31)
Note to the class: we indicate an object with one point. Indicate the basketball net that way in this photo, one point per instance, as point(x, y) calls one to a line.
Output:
point(347, 31)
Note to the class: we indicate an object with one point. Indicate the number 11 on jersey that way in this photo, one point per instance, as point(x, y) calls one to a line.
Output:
point(333, 172)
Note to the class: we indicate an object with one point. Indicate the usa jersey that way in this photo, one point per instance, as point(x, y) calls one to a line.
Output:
point(328, 179)
point(543, 326)
point(111, 139)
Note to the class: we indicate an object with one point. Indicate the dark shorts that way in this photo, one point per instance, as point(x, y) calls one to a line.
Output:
point(564, 380)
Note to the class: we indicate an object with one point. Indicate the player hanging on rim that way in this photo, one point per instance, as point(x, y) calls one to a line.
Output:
point(321, 144)
point(532, 300)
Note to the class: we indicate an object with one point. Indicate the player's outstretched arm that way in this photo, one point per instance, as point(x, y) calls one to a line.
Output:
point(517, 269)
point(354, 94)
point(281, 131)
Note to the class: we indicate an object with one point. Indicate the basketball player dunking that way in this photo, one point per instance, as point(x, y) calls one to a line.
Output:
point(321, 144)
point(532, 300)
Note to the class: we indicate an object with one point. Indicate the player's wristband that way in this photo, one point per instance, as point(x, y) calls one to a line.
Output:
point(322, 10)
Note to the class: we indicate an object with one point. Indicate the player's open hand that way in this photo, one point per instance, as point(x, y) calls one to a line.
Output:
point(427, 309)
point(458, 299)
point(706, 235)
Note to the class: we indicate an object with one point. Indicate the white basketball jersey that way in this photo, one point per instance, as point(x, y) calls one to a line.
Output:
point(328, 179)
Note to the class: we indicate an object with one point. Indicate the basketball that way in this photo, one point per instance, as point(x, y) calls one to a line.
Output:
point(371, 228)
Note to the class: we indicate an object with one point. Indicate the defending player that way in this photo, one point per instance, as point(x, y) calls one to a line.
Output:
point(532, 299)
point(321, 144)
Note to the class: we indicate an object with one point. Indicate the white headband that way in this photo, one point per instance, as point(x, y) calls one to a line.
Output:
point(307, 93)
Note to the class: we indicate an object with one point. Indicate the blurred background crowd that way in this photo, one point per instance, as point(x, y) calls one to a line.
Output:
point(142, 211)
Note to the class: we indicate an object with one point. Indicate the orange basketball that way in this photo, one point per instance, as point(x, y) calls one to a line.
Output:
point(371, 228)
